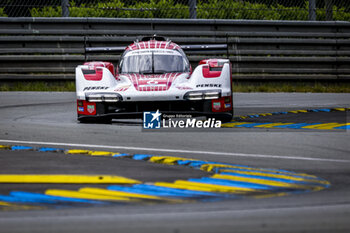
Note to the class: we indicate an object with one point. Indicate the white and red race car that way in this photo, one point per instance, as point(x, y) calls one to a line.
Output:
point(154, 74)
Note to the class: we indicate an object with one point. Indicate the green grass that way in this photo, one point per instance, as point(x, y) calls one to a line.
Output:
point(319, 87)
point(38, 86)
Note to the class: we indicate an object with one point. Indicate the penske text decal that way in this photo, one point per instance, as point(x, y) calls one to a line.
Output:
point(208, 85)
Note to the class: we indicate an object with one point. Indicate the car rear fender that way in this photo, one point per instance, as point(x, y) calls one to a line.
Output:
point(219, 80)
point(97, 79)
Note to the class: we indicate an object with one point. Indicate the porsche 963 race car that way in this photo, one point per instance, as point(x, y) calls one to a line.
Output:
point(154, 74)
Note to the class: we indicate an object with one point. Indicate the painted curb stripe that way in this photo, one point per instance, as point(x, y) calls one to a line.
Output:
point(164, 160)
point(211, 167)
point(121, 155)
point(347, 126)
point(296, 125)
point(318, 126)
point(255, 115)
point(140, 157)
point(246, 184)
point(189, 187)
point(342, 126)
point(6, 206)
point(2, 203)
point(48, 149)
point(80, 152)
point(271, 125)
point(321, 126)
point(322, 110)
point(215, 187)
point(283, 178)
point(39, 197)
point(67, 179)
point(229, 181)
point(291, 176)
point(101, 153)
point(260, 181)
point(21, 148)
point(251, 125)
point(115, 193)
point(148, 192)
point(187, 191)
point(80, 195)
point(181, 151)
point(240, 185)
point(233, 124)
point(176, 190)
point(331, 126)
point(89, 152)
point(285, 125)
point(7, 198)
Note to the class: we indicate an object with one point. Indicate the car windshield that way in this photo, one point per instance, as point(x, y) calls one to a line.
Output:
point(153, 62)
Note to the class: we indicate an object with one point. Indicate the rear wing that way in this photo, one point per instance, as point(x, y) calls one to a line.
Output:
point(102, 49)
point(195, 49)
point(205, 47)
point(184, 47)
point(211, 48)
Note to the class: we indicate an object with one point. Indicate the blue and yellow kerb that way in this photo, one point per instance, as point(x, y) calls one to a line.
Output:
point(225, 181)
point(238, 122)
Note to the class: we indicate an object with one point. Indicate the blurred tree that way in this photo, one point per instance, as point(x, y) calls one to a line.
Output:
point(20, 8)
point(329, 10)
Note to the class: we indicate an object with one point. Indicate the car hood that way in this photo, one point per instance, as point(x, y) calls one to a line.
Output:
point(154, 82)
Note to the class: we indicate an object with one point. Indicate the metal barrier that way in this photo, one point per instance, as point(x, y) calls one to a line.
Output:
point(50, 48)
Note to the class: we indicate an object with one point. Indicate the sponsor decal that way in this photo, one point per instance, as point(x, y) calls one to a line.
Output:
point(123, 88)
point(95, 88)
point(152, 82)
point(90, 108)
point(151, 120)
point(81, 109)
point(208, 85)
point(228, 105)
point(216, 105)
point(184, 88)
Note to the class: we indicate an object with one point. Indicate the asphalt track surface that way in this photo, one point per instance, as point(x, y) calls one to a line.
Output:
point(48, 119)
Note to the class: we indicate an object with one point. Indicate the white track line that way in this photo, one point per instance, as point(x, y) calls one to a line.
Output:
point(175, 151)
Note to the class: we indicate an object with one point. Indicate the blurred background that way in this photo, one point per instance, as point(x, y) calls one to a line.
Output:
point(319, 10)
point(273, 45)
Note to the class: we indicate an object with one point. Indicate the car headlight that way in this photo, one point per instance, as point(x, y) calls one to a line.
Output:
point(103, 97)
point(203, 95)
